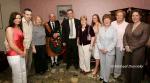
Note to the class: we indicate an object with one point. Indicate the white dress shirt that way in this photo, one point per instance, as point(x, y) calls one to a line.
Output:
point(74, 29)
point(27, 31)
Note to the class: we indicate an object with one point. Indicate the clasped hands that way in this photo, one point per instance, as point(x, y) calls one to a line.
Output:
point(127, 48)
point(104, 50)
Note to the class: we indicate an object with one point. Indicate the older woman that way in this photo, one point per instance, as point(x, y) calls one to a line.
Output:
point(106, 42)
point(135, 38)
point(120, 24)
point(39, 46)
point(85, 40)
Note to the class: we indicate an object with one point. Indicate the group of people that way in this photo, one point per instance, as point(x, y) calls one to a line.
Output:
point(106, 41)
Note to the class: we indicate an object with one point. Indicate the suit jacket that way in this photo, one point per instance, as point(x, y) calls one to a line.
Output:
point(138, 38)
point(55, 30)
point(66, 28)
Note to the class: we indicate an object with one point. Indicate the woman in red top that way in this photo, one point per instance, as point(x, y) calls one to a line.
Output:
point(15, 48)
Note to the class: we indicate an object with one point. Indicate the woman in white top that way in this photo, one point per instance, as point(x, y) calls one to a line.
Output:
point(96, 24)
point(106, 42)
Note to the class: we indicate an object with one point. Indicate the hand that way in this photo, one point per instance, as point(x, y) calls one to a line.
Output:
point(91, 48)
point(6, 45)
point(64, 44)
point(55, 35)
point(45, 23)
point(104, 51)
point(23, 54)
point(34, 50)
point(127, 49)
point(78, 42)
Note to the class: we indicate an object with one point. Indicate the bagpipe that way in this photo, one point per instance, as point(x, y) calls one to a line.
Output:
point(55, 44)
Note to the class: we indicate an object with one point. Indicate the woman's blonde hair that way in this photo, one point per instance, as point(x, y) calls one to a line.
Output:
point(35, 18)
point(83, 17)
point(120, 11)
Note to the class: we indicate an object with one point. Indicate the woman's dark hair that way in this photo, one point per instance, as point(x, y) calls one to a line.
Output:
point(138, 11)
point(98, 18)
point(12, 18)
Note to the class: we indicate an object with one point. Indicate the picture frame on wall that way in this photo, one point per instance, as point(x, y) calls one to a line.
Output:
point(62, 11)
point(1, 23)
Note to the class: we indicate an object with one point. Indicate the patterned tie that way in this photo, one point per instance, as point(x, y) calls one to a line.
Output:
point(71, 27)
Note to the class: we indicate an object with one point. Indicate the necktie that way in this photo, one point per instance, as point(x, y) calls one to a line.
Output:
point(53, 25)
point(71, 27)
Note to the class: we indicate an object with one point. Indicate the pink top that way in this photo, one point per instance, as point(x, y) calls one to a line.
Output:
point(120, 32)
point(18, 40)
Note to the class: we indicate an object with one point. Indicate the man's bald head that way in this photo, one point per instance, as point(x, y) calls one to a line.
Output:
point(52, 17)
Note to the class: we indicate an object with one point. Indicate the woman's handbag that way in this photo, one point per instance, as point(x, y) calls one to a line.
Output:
point(89, 35)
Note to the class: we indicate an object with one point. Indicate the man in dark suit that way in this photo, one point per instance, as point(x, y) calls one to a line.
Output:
point(54, 26)
point(52, 31)
point(69, 33)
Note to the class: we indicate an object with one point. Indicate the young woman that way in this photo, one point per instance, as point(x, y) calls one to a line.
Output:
point(96, 24)
point(15, 48)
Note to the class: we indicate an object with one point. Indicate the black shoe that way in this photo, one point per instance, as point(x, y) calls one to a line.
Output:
point(81, 71)
point(42, 72)
point(67, 67)
point(52, 65)
point(76, 67)
point(104, 82)
point(57, 64)
point(100, 79)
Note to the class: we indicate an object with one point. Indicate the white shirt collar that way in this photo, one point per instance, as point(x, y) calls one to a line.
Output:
point(52, 22)
point(23, 20)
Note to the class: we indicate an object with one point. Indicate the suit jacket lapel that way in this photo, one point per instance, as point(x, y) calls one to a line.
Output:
point(75, 22)
point(76, 26)
point(49, 23)
point(68, 25)
point(137, 28)
point(52, 26)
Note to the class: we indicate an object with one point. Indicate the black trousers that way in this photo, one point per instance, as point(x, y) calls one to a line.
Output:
point(134, 63)
point(72, 53)
point(40, 59)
